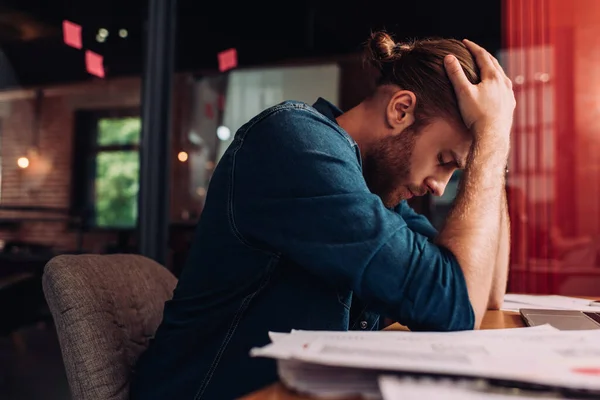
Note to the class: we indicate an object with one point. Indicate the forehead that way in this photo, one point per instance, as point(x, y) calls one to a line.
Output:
point(446, 135)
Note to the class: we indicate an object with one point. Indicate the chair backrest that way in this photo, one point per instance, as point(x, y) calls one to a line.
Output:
point(105, 308)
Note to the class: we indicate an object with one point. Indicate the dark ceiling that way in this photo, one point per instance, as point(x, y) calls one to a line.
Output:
point(31, 32)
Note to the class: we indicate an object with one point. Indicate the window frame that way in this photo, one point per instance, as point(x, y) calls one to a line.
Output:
point(85, 152)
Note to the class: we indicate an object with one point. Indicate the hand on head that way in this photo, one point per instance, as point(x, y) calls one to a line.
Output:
point(487, 108)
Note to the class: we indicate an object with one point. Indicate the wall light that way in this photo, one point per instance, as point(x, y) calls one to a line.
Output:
point(23, 162)
point(182, 156)
point(223, 133)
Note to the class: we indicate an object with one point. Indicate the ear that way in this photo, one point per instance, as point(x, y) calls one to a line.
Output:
point(400, 113)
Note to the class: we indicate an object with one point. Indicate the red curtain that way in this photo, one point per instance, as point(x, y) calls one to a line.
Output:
point(552, 54)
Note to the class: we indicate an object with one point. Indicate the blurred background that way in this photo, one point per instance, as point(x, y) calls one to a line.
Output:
point(112, 121)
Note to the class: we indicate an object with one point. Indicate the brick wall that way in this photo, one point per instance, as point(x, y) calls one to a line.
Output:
point(47, 181)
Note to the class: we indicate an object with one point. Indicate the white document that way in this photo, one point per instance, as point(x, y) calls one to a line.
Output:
point(402, 388)
point(334, 364)
point(570, 361)
point(514, 302)
point(283, 345)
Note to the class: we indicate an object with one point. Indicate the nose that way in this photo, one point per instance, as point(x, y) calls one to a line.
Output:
point(438, 186)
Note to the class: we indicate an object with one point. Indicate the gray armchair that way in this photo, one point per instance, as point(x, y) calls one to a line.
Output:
point(105, 308)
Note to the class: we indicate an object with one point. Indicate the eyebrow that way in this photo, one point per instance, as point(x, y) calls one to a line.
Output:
point(460, 163)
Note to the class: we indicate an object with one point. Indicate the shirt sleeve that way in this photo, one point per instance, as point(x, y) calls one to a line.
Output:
point(416, 222)
point(297, 190)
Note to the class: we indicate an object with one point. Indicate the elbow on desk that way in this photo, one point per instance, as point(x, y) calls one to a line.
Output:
point(495, 304)
point(478, 317)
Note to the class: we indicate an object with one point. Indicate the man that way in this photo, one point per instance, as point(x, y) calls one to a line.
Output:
point(306, 215)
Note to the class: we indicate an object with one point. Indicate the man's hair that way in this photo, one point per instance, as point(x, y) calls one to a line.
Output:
point(418, 66)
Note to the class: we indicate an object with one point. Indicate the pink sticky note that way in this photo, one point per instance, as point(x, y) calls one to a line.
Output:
point(72, 34)
point(227, 59)
point(94, 63)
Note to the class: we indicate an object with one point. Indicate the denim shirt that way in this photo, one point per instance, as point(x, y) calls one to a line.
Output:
point(292, 238)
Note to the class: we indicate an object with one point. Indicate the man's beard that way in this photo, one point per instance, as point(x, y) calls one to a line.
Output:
point(386, 166)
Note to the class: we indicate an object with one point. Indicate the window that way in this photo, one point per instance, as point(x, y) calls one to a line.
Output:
point(106, 193)
point(117, 172)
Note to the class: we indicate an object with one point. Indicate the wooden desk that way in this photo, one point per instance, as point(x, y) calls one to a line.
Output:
point(492, 320)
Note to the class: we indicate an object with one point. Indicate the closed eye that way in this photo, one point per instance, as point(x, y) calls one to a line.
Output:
point(444, 163)
point(453, 163)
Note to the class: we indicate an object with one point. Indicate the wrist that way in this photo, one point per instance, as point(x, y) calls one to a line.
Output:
point(494, 149)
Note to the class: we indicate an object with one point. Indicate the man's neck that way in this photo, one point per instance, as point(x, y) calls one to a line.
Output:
point(358, 123)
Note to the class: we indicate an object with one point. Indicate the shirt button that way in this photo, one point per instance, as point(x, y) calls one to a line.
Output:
point(363, 324)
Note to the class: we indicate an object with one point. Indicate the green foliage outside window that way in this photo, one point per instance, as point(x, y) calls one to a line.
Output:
point(117, 173)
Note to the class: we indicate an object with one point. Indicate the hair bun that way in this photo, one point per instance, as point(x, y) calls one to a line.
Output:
point(382, 45)
point(381, 49)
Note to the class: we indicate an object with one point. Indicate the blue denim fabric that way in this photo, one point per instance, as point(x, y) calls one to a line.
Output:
point(291, 238)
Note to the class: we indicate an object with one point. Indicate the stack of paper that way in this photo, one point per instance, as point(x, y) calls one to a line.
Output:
point(334, 364)
point(399, 388)
point(514, 302)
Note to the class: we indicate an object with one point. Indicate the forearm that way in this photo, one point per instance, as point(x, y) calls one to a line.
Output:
point(502, 260)
point(472, 228)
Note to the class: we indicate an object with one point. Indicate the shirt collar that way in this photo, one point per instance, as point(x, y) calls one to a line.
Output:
point(327, 109)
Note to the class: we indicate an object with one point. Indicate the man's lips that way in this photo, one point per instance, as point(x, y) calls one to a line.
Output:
point(421, 193)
